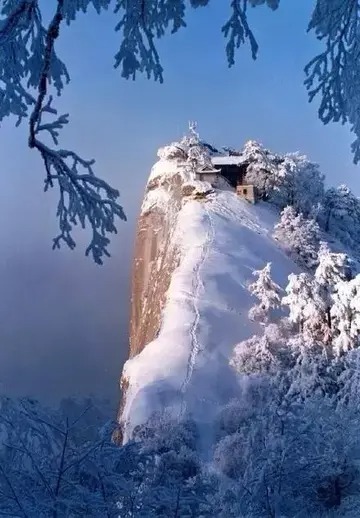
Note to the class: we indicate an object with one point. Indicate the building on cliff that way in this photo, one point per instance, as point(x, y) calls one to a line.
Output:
point(233, 169)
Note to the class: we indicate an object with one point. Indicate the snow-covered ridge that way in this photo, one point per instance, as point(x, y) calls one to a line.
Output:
point(221, 241)
point(195, 255)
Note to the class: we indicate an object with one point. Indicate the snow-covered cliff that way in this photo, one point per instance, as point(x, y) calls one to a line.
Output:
point(193, 261)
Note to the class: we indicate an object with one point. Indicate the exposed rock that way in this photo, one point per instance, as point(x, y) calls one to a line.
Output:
point(188, 189)
point(155, 255)
point(154, 261)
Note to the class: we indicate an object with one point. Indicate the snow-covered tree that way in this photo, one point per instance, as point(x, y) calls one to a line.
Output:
point(340, 215)
point(299, 184)
point(298, 406)
point(345, 314)
point(332, 268)
point(313, 371)
point(349, 380)
point(289, 179)
point(287, 224)
point(303, 307)
point(262, 168)
point(266, 354)
point(190, 151)
point(331, 206)
point(299, 236)
point(197, 154)
point(299, 292)
point(173, 151)
point(268, 294)
point(50, 466)
point(177, 486)
point(288, 459)
point(255, 355)
point(44, 469)
point(325, 306)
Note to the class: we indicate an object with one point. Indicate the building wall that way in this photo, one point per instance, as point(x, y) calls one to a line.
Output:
point(247, 192)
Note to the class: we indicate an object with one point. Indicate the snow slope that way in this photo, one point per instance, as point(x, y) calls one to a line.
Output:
point(185, 369)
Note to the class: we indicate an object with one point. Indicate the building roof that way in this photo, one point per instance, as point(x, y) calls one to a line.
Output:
point(208, 170)
point(227, 160)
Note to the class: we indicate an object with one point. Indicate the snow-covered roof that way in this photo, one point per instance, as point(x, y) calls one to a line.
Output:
point(227, 160)
point(208, 170)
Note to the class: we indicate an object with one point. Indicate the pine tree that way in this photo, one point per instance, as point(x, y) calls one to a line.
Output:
point(262, 168)
point(349, 380)
point(197, 153)
point(287, 224)
point(332, 268)
point(255, 355)
point(345, 313)
point(299, 183)
point(268, 294)
point(300, 301)
point(299, 236)
point(340, 215)
point(265, 354)
point(312, 371)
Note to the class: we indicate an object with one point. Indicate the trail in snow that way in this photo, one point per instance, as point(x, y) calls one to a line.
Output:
point(195, 345)
point(244, 217)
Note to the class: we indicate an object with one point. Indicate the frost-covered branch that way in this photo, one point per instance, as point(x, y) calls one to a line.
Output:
point(144, 21)
point(141, 23)
point(29, 66)
point(237, 29)
point(83, 196)
point(19, 26)
point(334, 74)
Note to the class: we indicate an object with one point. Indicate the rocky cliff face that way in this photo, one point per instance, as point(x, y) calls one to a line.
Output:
point(156, 255)
point(154, 261)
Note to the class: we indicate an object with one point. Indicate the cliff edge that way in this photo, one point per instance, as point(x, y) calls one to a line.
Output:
point(196, 248)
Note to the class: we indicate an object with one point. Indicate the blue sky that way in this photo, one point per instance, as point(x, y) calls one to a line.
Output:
point(63, 320)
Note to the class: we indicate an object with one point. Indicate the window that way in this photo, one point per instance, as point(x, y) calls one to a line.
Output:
point(244, 192)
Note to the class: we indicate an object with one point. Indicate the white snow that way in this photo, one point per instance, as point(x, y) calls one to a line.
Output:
point(166, 168)
point(227, 160)
point(222, 241)
point(155, 198)
point(199, 186)
point(158, 196)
